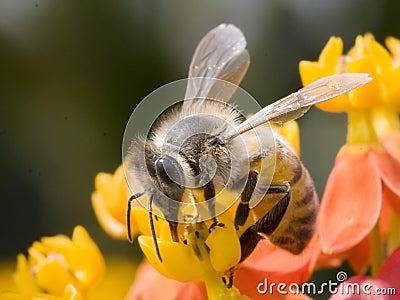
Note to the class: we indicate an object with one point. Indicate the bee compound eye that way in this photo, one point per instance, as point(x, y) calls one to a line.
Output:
point(170, 169)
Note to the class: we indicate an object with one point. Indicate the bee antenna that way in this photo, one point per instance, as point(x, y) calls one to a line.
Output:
point(153, 233)
point(128, 215)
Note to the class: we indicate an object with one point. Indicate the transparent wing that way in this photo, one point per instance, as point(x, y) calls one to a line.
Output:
point(297, 104)
point(221, 54)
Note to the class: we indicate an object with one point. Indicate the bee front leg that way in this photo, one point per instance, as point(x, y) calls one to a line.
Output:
point(128, 214)
point(273, 218)
point(209, 195)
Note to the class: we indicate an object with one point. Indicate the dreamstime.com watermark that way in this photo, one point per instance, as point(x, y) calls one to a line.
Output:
point(311, 288)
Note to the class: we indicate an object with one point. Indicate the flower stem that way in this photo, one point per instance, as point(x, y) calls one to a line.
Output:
point(376, 250)
point(360, 129)
point(394, 233)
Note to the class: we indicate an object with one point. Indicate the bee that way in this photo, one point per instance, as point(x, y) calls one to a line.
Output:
point(205, 146)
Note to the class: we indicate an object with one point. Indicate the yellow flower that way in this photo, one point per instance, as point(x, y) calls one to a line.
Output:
point(59, 268)
point(109, 202)
point(365, 179)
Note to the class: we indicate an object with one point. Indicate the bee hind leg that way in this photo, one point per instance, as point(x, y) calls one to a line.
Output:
point(267, 224)
point(273, 218)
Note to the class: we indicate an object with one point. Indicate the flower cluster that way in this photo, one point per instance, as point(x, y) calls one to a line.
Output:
point(359, 214)
point(58, 268)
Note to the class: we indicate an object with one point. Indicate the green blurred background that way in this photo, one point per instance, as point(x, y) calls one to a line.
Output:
point(71, 72)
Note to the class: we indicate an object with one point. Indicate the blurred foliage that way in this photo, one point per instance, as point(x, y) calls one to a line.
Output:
point(72, 72)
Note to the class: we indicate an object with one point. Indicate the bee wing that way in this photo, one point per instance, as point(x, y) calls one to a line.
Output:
point(221, 54)
point(297, 104)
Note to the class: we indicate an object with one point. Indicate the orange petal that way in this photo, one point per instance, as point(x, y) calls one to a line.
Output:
point(391, 143)
point(351, 203)
point(393, 201)
point(270, 258)
point(258, 284)
point(150, 284)
point(386, 209)
point(388, 169)
point(359, 256)
point(268, 262)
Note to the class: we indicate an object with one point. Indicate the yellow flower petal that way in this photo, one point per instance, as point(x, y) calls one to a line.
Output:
point(71, 293)
point(141, 217)
point(85, 259)
point(370, 94)
point(53, 278)
point(115, 190)
point(179, 260)
point(331, 54)
point(109, 201)
point(59, 244)
point(330, 62)
point(391, 88)
point(117, 279)
point(224, 246)
point(23, 277)
point(112, 226)
point(310, 71)
point(394, 46)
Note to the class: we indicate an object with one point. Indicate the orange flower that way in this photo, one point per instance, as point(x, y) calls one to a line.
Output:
point(277, 266)
point(364, 185)
point(148, 279)
point(150, 284)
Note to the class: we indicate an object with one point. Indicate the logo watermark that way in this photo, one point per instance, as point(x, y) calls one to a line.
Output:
point(333, 287)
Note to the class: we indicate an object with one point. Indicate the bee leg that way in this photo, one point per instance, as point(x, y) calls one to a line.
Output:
point(128, 214)
point(267, 224)
point(243, 209)
point(209, 195)
point(248, 242)
point(229, 283)
point(273, 218)
point(153, 233)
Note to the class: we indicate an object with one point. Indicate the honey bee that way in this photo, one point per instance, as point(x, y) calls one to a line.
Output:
point(205, 146)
